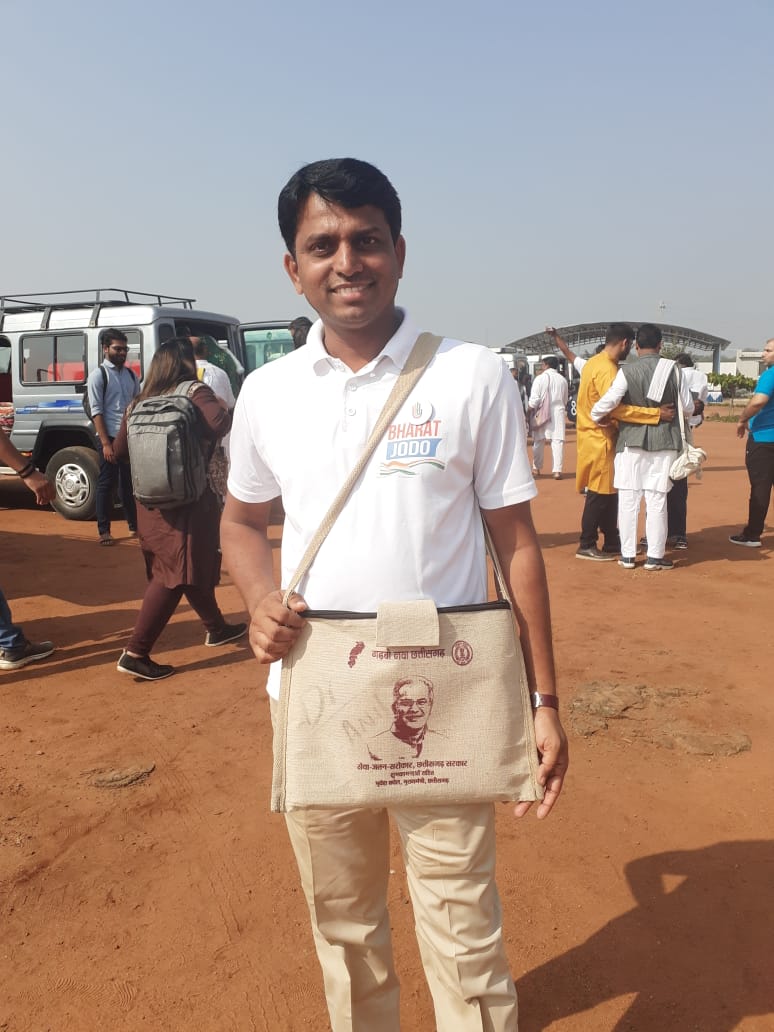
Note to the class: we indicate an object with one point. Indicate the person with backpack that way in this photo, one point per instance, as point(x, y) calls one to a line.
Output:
point(168, 433)
point(110, 388)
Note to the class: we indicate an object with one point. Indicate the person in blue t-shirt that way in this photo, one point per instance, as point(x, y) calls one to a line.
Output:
point(758, 419)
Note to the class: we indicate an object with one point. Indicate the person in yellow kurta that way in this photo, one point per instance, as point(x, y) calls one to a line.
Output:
point(596, 444)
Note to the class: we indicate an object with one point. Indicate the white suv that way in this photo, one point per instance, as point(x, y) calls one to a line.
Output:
point(49, 343)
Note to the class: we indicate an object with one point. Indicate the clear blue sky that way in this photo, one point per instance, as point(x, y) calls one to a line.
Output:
point(557, 162)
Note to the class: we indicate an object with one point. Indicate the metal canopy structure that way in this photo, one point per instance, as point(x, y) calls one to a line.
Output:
point(583, 338)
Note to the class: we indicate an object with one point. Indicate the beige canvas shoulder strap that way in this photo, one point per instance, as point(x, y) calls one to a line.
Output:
point(417, 362)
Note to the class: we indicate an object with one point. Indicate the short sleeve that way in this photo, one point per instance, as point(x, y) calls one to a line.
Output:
point(501, 470)
point(95, 392)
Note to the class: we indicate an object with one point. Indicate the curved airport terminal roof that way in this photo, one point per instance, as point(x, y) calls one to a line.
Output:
point(586, 336)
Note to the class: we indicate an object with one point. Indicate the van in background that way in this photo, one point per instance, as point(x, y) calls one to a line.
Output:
point(49, 343)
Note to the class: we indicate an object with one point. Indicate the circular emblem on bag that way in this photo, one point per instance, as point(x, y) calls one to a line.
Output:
point(461, 653)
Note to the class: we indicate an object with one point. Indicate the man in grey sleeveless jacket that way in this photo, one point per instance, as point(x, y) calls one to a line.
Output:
point(644, 454)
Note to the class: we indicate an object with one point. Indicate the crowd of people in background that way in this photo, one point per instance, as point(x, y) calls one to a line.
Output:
point(627, 437)
point(632, 421)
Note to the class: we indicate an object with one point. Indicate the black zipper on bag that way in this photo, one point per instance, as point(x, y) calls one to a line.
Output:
point(341, 614)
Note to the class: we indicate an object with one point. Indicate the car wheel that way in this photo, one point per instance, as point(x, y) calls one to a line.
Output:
point(74, 473)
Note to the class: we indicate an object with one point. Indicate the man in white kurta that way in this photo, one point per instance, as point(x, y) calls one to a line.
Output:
point(551, 382)
point(644, 454)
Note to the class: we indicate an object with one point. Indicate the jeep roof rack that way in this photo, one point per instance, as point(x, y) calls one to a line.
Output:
point(95, 298)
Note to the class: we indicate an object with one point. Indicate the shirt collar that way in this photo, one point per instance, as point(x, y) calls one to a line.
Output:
point(396, 350)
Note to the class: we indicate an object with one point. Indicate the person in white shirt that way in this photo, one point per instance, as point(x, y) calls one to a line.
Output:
point(216, 379)
point(551, 382)
point(644, 454)
point(677, 499)
point(410, 529)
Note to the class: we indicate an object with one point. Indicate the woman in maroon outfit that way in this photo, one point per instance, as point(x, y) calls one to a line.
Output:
point(180, 545)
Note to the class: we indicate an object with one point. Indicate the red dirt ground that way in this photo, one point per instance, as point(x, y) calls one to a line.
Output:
point(642, 904)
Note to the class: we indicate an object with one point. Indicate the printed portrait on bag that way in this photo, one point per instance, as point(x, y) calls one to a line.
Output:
point(409, 737)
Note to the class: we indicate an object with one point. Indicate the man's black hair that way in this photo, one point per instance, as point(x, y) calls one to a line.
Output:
point(618, 331)
point(299, 328)
point(685, 360)
point(648, 337)
point(344, 181)
point(552, 361)
point(106, 336)
point(301, 323)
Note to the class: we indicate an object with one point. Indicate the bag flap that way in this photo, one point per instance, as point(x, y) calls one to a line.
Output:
point(403, 624)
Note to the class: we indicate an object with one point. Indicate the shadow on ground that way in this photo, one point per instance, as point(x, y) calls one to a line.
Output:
point(695, 950)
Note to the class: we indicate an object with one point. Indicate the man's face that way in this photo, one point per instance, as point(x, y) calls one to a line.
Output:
point(116, 352)
point(412, 706)
point(768, 353)
point(346, 265)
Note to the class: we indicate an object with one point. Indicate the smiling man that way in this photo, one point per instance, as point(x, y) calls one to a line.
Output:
point(412, 704)
point(410, 529)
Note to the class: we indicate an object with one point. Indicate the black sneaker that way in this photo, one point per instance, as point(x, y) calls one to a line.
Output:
point(21, 655)
point(642, 545)
point(595, 555)
point(745, 541)
point(627, 562)
point(143, 667)
point(658, 564)
point(227, 633)
point(681, 543)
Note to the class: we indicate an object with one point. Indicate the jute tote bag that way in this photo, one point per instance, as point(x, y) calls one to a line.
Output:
point(691, 458)
point(408, 705)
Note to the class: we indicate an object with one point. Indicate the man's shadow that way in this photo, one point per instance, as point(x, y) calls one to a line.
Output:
point(697, 949)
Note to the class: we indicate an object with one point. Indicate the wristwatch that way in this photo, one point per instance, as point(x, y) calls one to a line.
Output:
point(539, 699)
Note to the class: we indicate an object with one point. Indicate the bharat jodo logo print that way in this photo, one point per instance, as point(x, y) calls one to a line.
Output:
point(413, 444)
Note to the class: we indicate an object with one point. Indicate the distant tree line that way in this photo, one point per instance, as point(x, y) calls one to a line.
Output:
point(731, 384)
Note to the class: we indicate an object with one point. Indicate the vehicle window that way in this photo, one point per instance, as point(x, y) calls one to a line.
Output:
point(134, 358)
point(262, 346)
point(53, 358)
point(6, 391)
point(221, 333)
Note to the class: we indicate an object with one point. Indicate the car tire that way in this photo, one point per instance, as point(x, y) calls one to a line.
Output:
point(74, 473)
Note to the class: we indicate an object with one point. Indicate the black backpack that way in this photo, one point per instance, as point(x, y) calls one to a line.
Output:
point(169, 467)
point(85, 398)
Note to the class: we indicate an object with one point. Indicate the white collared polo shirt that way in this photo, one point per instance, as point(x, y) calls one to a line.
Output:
point(410, 528)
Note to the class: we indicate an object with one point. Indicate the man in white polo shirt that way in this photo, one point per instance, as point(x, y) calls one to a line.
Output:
point(410, 529)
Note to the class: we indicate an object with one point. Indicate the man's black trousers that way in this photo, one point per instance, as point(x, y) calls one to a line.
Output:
point(760, 469)
point(600, 513)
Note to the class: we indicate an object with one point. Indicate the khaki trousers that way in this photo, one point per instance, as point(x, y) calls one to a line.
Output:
point(449, 851)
